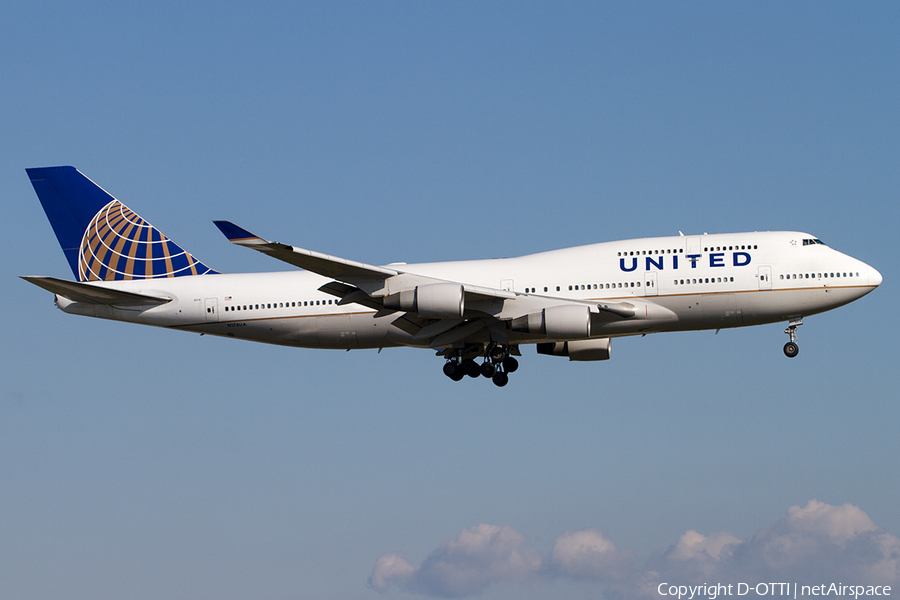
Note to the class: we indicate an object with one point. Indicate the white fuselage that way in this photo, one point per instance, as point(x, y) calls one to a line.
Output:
point(675, 284)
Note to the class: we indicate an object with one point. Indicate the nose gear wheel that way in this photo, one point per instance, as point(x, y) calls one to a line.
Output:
point(791, 349)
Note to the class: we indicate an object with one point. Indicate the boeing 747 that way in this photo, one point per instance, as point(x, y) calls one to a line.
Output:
point(475, 314)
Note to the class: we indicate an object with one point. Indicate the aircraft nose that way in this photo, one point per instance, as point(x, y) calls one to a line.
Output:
point(874, 277)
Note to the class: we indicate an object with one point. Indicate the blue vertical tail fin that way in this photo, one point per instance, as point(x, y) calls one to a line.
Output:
point(103, 239)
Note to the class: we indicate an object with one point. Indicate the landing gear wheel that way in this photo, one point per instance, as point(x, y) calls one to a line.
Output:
point(453, 370)
point(510, 364)
point(471, 368)
point(488, 369)
point(498, 354)
point(791, 349)
point(500, 379)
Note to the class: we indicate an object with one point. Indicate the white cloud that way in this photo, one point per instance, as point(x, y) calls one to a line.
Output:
point(589, 554)
point(389, 569)
point(464, 564)
point(821, 540)
point(813, 544)
point(693, 545)
point(840, 523)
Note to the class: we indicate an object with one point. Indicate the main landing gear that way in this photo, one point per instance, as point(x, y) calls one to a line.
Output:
point(791, 349)
point(497, 365)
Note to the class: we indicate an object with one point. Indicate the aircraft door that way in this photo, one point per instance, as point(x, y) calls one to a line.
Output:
point(507, 285)
point(694, 245)
point(765, 277)
point(212, 311)
point(650, 281)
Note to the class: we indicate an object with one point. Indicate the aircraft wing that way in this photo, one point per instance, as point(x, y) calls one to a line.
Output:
point(86, 292)
point(327, 266)
point(373, 280)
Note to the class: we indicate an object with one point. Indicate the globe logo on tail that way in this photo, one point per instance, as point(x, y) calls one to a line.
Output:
point(118, 244)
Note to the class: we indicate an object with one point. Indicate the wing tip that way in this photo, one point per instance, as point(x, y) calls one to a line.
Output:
point(235, 233)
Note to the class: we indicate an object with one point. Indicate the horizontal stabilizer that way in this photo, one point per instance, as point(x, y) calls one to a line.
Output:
point(91, 293)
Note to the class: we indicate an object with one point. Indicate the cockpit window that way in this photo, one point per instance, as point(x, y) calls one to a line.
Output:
point(811, 242)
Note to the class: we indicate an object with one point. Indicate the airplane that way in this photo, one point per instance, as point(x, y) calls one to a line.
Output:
point(569, 302)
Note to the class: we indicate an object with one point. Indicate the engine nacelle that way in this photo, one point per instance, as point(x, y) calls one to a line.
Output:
point(442, 300)
point(569, 321)
point(582, 350)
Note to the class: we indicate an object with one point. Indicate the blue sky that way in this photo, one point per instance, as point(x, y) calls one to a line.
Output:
point(143, 463)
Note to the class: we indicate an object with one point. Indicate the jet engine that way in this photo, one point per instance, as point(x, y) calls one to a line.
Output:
point(581, 350)
point(568, 321)
point(440, 300)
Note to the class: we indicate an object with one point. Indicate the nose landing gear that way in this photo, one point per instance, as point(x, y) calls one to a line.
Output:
point(791, 349)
